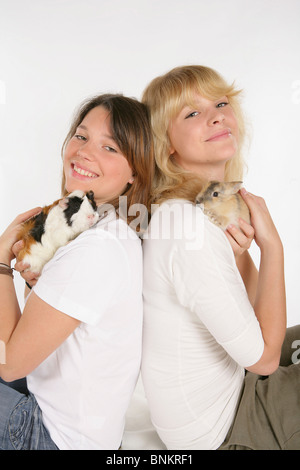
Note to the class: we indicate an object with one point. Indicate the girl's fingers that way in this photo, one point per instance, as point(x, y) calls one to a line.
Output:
point(17, 247)
point(10, 236)
point(247, 229)
point(240, 238)
point(237, 249)
point(28, 276)
point(242, 235)
point(27, 215)
point(20, 266)
point(265, 230)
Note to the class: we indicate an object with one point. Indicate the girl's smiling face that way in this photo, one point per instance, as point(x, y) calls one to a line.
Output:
point(204, 136)
point(93, 161)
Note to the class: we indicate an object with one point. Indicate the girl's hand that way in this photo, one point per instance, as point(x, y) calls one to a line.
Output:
point(28, 276)
point(240, 238)
point(265, 231)
point(10, 235)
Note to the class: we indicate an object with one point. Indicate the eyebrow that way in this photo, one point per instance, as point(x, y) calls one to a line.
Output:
point(186, 108)
point(108, 136)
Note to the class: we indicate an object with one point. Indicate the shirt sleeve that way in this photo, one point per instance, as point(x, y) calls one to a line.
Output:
point(86, 277)
point(207, 281)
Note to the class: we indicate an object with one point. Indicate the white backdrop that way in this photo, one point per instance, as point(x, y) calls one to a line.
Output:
point(55, 53)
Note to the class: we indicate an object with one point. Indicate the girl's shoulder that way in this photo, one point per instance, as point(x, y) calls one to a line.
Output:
point(175, 219)
point(178, 211)
point(184, 223)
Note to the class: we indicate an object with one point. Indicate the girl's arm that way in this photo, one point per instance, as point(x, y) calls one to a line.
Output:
point(31, 337)
point(8, 321)
point(207, 282)
point(39, 332)
point(240, 240)
point(29, 277)
point(270, 300)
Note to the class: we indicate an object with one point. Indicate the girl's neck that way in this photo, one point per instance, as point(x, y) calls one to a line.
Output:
point(209, 173)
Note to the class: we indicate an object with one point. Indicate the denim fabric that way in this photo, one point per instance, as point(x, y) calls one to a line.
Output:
point(21, 425)
point(20, 385)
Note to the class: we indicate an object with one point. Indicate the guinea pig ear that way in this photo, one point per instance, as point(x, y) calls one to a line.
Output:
point(199, 198)
point(236, 186)
point(63, 203)
point(90, 195)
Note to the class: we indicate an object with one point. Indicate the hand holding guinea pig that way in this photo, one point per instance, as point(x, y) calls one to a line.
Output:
point(230, 206)
point(266, 235)
point(10, 235)
point(224, 206)
point(54, 226)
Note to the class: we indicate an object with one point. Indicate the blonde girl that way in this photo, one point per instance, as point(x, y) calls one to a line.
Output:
point(213, 326)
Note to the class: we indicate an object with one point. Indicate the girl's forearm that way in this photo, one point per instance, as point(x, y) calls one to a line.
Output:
point(270, 302)
point(9, 314)
point(270, 307)
point(9, 309)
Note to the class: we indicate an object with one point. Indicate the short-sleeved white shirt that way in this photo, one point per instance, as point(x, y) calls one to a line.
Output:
point(84, 387)
point(200, 329)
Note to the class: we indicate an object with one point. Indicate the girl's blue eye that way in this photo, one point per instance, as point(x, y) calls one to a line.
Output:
point(194, 113)
point(222, 105)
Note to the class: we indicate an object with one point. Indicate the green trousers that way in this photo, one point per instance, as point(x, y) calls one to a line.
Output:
point(268, 415)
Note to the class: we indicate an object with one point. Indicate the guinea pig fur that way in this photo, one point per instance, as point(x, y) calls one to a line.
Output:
point(55, 226)
point(222, 203)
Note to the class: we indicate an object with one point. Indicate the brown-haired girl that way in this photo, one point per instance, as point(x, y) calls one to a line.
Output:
point(78, 341)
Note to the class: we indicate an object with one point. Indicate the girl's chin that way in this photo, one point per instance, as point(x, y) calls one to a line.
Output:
point(83, 183)
point(75, 187)
point(227, 154)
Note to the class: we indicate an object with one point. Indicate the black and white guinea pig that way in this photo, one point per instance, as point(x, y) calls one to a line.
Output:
point(55, 226)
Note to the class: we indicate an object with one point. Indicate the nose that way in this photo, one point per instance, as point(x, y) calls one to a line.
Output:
point(216, 117)
point(86, 151)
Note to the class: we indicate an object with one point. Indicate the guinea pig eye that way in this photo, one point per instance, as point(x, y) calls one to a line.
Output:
point(215, 194)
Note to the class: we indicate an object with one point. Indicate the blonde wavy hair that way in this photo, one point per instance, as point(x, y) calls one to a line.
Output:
point(165, 96)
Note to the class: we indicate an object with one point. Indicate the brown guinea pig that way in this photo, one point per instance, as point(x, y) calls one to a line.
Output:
point(223, 204)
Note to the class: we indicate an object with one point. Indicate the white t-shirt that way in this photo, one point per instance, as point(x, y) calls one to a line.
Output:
point(200, 330)
point(85, 386)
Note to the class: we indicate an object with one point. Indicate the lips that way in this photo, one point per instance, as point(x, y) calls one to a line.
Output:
point(223, 134)
point(83, 172)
